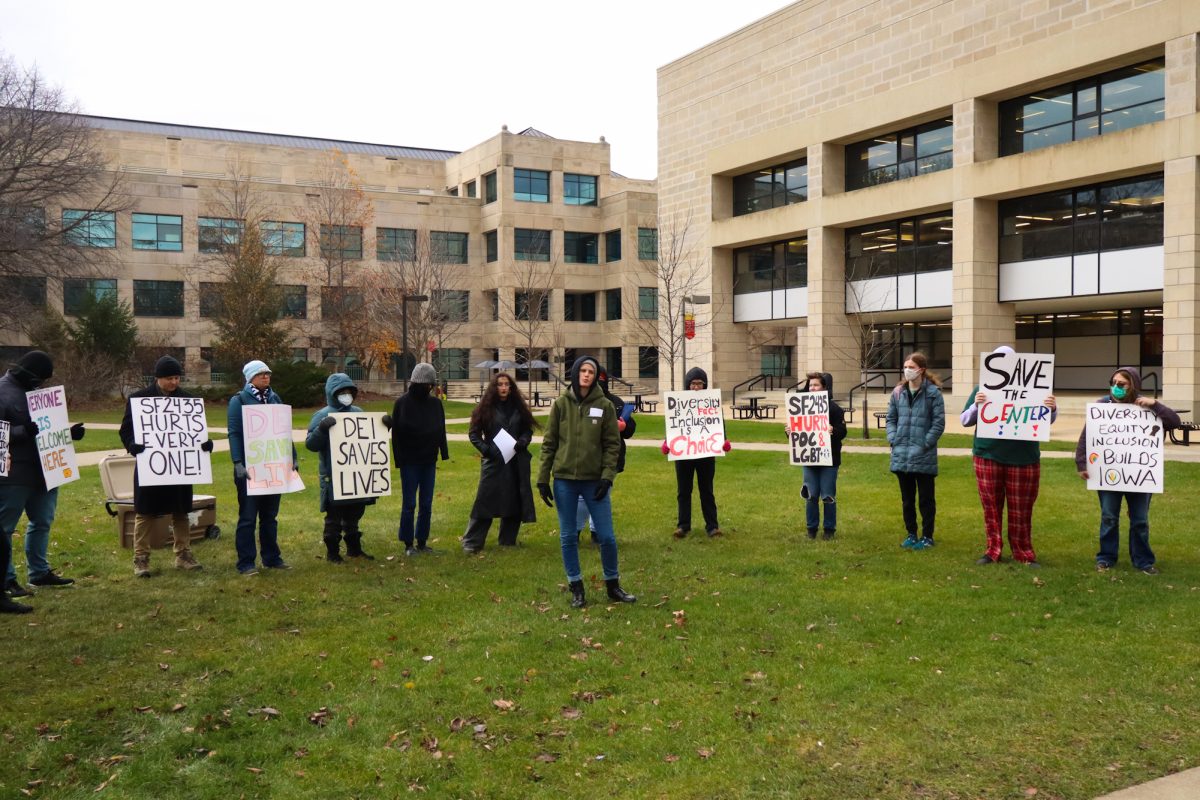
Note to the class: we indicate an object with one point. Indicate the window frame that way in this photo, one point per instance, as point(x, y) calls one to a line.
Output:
point(81, 230)
point(746, 201)
point(524, 238)
point(907, 162)
point(525, 183)
point(163, 225)
point(158, 288)
point(85, 287)
point(579, 196)
point(647, 244)
point(279, 238)
point(576, 243)
point(224, 242)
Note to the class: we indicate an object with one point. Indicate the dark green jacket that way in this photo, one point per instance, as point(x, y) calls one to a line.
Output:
point(582, 441)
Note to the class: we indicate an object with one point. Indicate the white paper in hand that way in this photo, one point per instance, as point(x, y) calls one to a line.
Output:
point(506, 444)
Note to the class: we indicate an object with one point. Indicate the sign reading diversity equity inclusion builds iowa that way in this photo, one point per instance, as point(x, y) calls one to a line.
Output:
point(808, 429)
point(267, 441)
point(1016, 385)
point(695, 425)
point(1124, 447)
point(172, 430)
point(48, 408)
point(361, 458)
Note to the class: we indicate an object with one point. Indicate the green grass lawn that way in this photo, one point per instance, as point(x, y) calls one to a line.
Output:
point(760, 664)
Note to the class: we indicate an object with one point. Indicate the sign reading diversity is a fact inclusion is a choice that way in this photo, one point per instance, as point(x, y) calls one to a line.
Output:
point(1016, 385)
point(172, 430)
point(694, 423)
point(808, 429)
point(1124, 447)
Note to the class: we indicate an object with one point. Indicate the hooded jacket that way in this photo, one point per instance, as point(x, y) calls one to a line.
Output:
point(837, 419)
point(1168, 416)
point(915, 422)
point(582, 441)
point(419, 426)
point(154, 501)
point(26, 467)
point(318, 440)
point(694, 374)
point(246, 397)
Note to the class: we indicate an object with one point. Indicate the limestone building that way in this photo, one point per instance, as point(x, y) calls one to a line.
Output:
point(869, 178)
point(505, 220)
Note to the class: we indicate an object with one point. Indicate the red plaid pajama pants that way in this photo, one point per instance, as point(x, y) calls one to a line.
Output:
point(1019, 487)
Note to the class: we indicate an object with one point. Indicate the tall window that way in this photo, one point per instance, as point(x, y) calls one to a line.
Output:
point(579, 190)
point(776, 360)
point(579, 306)
point(451, 304)
point(612, 245)
point(395, 244)
point(489, 188)
point(448, 247)
point(770, 187)
point(491, 245)
point(295, 301)
point(492, 297)
point(903, 154)
point(453, 363)
point(530, 244)
point(283, 238)
point(532, 185)
point(341, 241)
point(158, 232)
point(647, 302)
point(212, 300)
point(523, 300)
point(648, 244)
point(647, 362)
point(900, 247)
point(78, 292)
point(1088, 219)
point(1106, 103)
point(158, 298)
point(23, 289)
point(612, 304)
point(612, 360)
point(581, 248)
point(90, 228)
point(219, 235)
point(470, 188)
point(770, 266)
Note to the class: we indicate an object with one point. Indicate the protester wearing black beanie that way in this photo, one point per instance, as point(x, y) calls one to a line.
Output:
point(167, 367)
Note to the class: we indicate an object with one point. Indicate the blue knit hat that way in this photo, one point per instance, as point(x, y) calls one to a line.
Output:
point(255, 368)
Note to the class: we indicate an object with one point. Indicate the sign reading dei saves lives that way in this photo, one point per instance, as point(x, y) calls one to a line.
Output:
point(360, 457)
point(1124, 447)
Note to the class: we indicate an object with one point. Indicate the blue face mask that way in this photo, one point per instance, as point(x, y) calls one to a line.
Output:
point(1119, 392)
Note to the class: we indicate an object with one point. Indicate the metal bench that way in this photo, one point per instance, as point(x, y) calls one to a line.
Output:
point(1183, 434)
point(881, 419)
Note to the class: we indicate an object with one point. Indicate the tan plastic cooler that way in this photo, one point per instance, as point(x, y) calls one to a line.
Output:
point(116, 474)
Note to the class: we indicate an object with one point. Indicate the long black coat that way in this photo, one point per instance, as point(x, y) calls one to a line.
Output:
point(504, 489)
point(155, 500)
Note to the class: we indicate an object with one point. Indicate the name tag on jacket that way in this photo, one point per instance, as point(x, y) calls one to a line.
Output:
point(595, 412)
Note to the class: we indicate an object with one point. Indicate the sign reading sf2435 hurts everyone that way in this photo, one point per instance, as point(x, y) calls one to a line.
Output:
point(808, 429)
point(172, 430)
point(1124, 447)
point(48, 408)
point(361, 458)
point(267, 440)
point(1016, 385)
point(695, 425)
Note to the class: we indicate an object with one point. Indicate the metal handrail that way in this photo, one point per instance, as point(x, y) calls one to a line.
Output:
point(749, 383)
point(1157, 384)
point(864, 386)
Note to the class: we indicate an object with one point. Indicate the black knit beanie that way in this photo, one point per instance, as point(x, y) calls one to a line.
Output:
point(167, 367)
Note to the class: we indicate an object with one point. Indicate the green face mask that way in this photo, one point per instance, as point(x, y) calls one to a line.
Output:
point(1119, 392)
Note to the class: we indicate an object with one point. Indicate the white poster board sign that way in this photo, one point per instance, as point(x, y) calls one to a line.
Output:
point(694, 423)
point(808, 429)
point(56, 451)
point(172, 430)
point(1123, 444)
point(1016, 385)
point(360, 455)
point(267, 441)
point(5, 427)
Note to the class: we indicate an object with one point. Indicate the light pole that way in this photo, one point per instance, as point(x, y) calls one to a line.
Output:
point(414, 298)
point(696, 300)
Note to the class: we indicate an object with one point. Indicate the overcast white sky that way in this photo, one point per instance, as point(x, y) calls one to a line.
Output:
point(443, 74)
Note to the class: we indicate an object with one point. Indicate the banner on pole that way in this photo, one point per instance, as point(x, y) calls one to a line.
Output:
point(56, 451)
point(694, 423)
point(172, 430)
point(267, 440)
point(1124, 447)
point(808, 429)
point(360, 455)
point(1016, 385)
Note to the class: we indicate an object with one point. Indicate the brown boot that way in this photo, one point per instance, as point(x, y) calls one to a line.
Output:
point(141, 566)
point(185, 560)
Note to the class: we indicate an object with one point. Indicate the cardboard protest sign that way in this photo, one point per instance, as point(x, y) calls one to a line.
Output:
point(267, 441)
point(808, 429)
point(695, 425)
point(4, 429)
point(360, 455)
point(172, 430)
point(1016, 385)
point(48, 408)
point(1124, 447)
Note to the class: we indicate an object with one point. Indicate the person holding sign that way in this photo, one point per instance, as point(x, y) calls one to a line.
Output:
point(580, 448)
point(23, 487)
point(501, 429)
point(820, 482)
point(153, 505)
point(341, 516)
point(417, 438)
point(1008, 470)
point(262, 509)
point(916, 419)
point(703, 469)
point(1125, 387)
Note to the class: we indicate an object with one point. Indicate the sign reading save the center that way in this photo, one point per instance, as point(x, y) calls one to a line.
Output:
point(1016, 385)
point(361, 458)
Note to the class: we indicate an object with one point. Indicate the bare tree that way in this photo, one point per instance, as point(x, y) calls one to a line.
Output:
point(533, 281)
point(58, 196)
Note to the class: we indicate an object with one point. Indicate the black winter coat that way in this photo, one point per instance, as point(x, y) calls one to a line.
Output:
point(418, 429)
point(26, 464)
point(155, 501)
point(630, 427)
point(504, 489)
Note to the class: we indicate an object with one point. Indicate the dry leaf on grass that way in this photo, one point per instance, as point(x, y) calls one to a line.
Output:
point(571, 713)
point(504, 705)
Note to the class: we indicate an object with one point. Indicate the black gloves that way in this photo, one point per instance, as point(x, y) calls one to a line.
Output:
point(77, 431)
point(206, 445)
point(136, 449)
point(31, 429)
point(521, 445)
point(239, 470)
point(387, 421)
point(327, 423)
point(547, 496)
point(602, 490)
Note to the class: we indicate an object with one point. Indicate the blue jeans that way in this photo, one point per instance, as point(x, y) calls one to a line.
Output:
point(416, 478)
point(1139, 528)
point(263, 510)
point(39, 506)
point(820, 488)
point(582, 517)
point(567, 495)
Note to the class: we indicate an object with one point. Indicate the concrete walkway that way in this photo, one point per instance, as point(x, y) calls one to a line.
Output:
point(1180, 786)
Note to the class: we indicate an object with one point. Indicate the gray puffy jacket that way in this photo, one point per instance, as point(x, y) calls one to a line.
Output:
point(914, 425)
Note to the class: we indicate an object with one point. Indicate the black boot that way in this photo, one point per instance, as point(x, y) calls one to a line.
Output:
point(616, 593)
point(578, 600)
point(9, 607)
point(332, 544)
point(354, 547)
